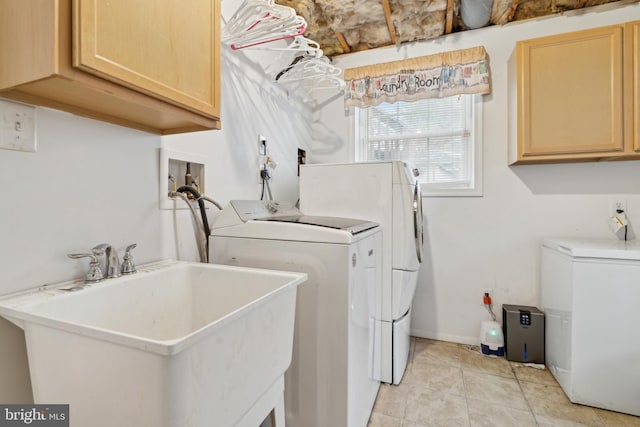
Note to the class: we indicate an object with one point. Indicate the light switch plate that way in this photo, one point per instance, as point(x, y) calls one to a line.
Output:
point(17, 126)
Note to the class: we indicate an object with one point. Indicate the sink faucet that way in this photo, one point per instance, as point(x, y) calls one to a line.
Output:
point(112, 262)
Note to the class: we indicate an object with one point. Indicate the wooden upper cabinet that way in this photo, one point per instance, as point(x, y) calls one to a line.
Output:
point(164, 48)
point(570, 97)
point(632, 64)
point(150, 65)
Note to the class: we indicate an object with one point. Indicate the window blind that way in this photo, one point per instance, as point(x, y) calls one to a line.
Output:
point(434, 135)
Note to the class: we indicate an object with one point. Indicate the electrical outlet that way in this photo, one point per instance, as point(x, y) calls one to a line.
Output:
point(486, 291)
point(262, 156)
point(302, 158)
point(617, 204)
point(17, 126)
point(262, 145)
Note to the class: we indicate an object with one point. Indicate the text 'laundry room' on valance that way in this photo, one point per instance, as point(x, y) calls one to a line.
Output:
point(444, 74)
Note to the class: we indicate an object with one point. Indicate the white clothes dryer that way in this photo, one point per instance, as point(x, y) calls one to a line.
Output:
point(387, 193)
point(329, 382)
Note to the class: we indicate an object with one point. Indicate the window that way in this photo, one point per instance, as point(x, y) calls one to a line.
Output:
point(441, 137)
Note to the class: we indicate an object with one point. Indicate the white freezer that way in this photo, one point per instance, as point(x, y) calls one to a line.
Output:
point(590, 297)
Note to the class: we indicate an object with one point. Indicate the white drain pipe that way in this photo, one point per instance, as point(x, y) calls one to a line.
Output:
point(476, 13)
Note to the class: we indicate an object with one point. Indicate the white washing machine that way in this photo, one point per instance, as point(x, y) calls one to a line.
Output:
point(387, 193)
point(329, 382)
point(590, 294)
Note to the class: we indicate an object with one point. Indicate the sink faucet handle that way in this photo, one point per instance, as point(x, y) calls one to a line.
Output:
point(128, 267)
point(94, 274)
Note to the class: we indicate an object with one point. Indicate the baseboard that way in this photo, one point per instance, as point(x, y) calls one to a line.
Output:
point(460, 339)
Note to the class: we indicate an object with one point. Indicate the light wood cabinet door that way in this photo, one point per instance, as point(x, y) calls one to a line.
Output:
point(164, 48)
point(632, 105)
point(570, 96)
point(148, 65)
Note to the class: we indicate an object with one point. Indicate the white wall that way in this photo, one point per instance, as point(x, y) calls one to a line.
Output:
point(88, 183)
point(92, 182)
point(251, 106)
point(493, 241)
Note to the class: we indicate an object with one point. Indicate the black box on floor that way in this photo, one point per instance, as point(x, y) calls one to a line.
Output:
point(523, 328)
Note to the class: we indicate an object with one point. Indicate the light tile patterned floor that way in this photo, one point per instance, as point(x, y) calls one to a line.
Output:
point(447, 385)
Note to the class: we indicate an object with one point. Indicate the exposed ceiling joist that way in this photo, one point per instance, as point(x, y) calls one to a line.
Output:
point(387, 17)
point(343, 42)
point(449, 18)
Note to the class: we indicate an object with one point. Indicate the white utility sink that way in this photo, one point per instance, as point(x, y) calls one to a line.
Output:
point(177, 344)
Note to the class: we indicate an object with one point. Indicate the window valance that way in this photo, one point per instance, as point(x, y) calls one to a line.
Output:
point(444, 74)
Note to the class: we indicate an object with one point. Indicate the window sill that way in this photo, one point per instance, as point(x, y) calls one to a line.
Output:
point(429, 191)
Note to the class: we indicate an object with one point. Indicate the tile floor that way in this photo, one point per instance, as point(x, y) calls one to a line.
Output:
point(448, 385)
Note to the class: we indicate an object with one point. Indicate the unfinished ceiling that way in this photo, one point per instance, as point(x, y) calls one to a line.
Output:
point(343, 26)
